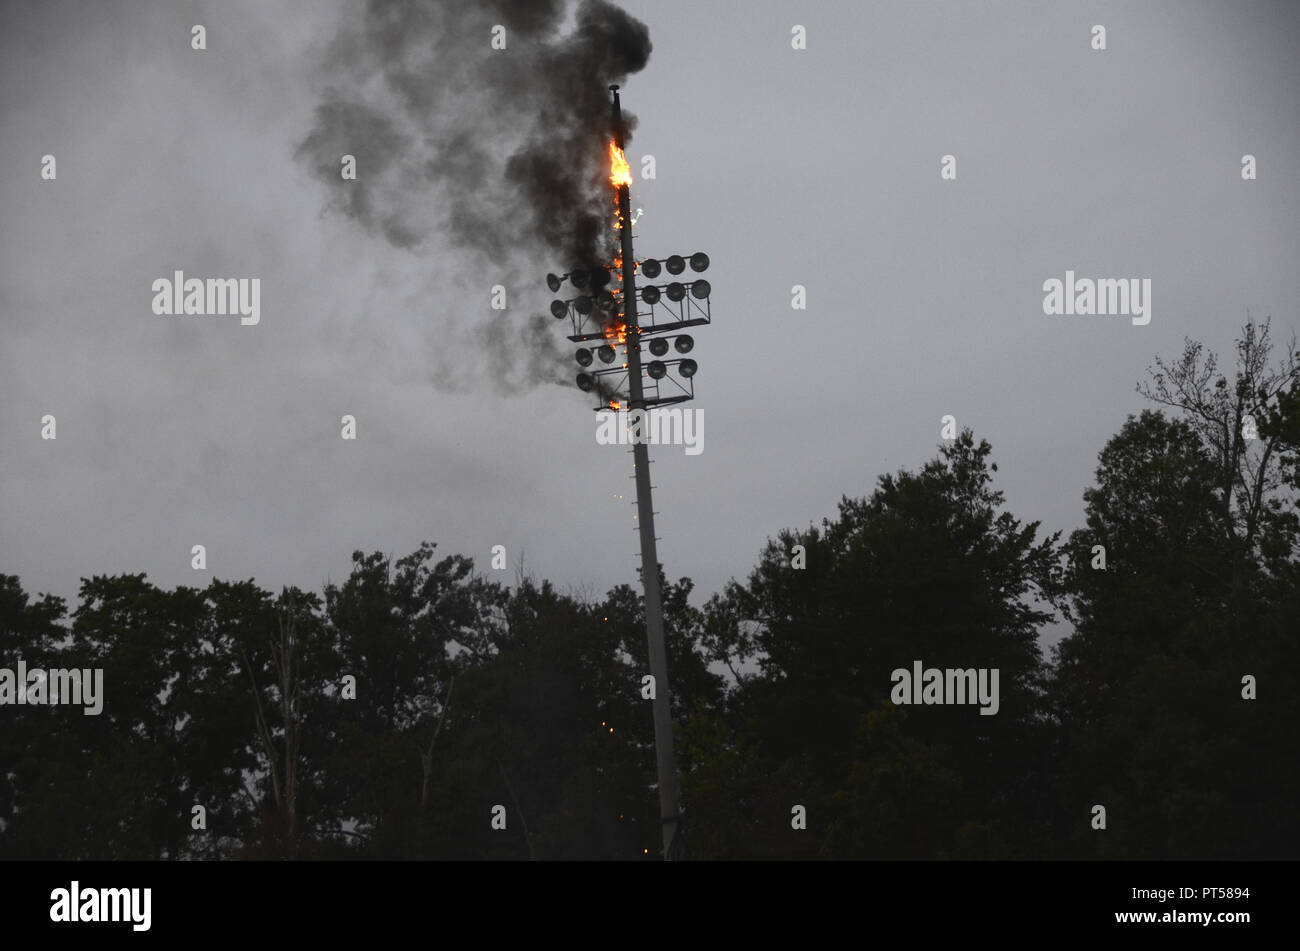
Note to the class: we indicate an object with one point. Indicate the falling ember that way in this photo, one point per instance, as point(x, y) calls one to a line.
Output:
point(620, 173)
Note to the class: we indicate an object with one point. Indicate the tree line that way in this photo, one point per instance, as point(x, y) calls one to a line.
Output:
point(386, 716)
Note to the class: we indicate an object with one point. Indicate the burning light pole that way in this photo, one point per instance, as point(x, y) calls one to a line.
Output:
point(598, 316)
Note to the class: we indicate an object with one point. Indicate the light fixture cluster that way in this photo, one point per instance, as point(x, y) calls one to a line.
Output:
point(595, 283)
point(655, 369)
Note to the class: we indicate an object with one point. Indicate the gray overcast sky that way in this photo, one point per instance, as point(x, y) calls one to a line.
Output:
point(817, 167)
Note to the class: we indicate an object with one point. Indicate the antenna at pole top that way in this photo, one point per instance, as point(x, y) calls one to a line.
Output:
point(618, 118)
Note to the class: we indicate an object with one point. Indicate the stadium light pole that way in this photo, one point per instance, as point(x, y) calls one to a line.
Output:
point(669, 803)
point(613, 320)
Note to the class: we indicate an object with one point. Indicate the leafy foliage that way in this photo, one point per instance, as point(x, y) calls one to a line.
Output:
point(1182, 583)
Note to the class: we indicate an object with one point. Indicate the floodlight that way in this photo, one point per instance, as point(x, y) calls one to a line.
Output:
point(684, 343)
point(559, 309)
point(650, 268)
point(675, 264)
point(656, 369)
point(687, 368)
point(578, 278)
point(650, 294)
point(700, 289)
point(600, 277)
point(604, 299)
point(676, 291)
point(553, 282)
point(658, 346)
point(582, 304)
point(584, 357)
point(699, 262)
point(586, 381)
point(606, 354)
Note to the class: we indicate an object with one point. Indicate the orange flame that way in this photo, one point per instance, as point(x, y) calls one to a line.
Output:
point(616, 331)
point(620, 173)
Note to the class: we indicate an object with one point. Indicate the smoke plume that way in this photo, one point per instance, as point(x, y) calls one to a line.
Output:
point(502, 151)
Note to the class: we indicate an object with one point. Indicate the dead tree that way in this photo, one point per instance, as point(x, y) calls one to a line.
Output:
point(282, 762)
point(1226, 416)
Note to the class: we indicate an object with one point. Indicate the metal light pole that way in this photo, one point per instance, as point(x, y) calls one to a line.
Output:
point(671, 308)
point(654, 610)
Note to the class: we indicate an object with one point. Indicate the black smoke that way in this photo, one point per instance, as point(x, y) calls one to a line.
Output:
point(502, 151)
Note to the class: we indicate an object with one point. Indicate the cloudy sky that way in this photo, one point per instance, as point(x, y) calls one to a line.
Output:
point(818, 167)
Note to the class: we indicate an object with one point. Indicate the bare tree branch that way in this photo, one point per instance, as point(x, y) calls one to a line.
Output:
point(528, 836)
point(1248, 468)
point(426, 758)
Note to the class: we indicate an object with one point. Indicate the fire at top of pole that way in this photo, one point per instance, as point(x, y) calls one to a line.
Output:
point(620, 173)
